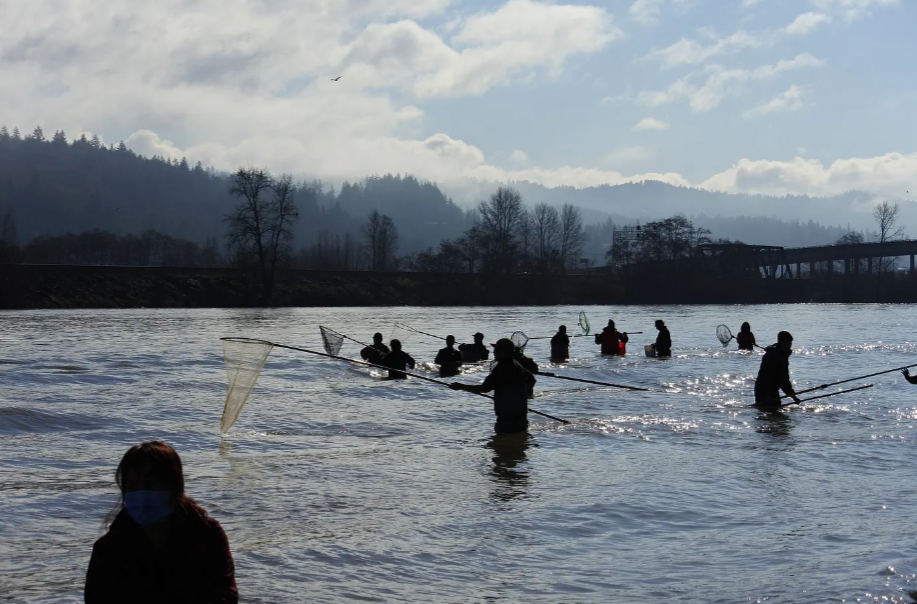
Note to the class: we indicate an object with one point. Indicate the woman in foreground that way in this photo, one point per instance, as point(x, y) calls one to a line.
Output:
point(161, 546)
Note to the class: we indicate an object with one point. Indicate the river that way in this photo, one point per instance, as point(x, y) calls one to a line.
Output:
point(334, 486)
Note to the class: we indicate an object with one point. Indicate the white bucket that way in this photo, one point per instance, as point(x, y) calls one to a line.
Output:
point(650, 351)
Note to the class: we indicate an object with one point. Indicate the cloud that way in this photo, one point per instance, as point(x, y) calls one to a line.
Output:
point(805, 23)
point(720, 83)
point(891, 174)
point(790, 100)
point(520, 158)
point(488, 49)
point(853, 9)
point(645, 11)
point(692, 52)
point(629, 155)
point(649, 123)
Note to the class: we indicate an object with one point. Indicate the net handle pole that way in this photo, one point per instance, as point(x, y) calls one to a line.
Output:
point(583, 335)
point(409, 328)
point(812, 398)
point(422, 377)
point(573, 379)
point(853, 379)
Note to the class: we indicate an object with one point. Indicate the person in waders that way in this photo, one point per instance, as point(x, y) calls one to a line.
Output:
point(511, 384)
point(449, 359)
point(774, 374)
point(560, 345)
point(611, 339)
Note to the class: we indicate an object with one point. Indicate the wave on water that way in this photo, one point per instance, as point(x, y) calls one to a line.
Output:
point(17, 420)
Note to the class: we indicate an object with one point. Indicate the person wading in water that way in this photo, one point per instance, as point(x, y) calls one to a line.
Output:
point(397, 359)
point(375, 352)
point(610, 339)
point(560, 345)
point(746, 339)
point(774, 374)
point(511, 384)
point(449, 359)
point(472, 353)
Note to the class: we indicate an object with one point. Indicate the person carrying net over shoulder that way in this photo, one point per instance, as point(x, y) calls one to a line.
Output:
point(449, 359)
point(397, 360)
point(472, 353)
point(511, 384)
point(774, 374)
point(375, 352)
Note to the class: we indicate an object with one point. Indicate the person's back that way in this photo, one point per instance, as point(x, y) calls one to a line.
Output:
point(375, 352)
point(396, 360)
point(449, 359)
point(473, 353)
point(774, 373)
point(560, 345)
point(610, 340)
point(512, 386)
point(746, 339)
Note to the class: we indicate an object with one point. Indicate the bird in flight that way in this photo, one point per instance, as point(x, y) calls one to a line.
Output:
point(336, 79)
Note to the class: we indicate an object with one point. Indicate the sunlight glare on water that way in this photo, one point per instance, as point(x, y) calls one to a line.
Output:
point(336, 486)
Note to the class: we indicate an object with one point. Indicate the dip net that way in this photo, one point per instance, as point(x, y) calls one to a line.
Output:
point(519, 340)
point(244, 359)
point(583, 323)
point(723, 334)
point(331, 340)
point(401, 333)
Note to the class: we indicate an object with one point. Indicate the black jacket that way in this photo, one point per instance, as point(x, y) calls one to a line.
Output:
point(398, 359)
point(195, 567)
point(773, 375)
point(511, 384)
point(664, 343)
point(472, 353)
point(449, 361)
point(560, 347)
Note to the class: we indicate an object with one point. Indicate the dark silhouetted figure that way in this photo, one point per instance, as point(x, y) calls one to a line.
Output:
point(376, 352)
point(611, 339)
point(472, 353)
point(449, 359)
point(560, 345)
point(397, 360)
point(511, 385)
point(774, 374)
point(161, 546)
point(746, 339)
point(528, 363)
point(663, 345)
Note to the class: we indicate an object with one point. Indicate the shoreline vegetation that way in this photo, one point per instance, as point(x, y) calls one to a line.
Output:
point(24, 286)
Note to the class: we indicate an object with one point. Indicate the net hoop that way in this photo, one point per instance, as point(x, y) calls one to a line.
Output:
point(244, 359)
point(519, 340)
point(331, 340)
point(583, 323)
point(723, 334)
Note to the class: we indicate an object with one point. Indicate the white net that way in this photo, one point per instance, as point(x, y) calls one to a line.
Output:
point(401, 333)
point(244, 359)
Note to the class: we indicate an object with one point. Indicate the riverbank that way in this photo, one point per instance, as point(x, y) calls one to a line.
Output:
point(66, 286)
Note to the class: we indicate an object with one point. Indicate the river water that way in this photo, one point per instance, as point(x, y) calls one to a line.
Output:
point(335, 486)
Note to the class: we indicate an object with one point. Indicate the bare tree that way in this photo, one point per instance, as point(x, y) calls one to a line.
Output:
point(499, 226)
point(260, 227)
point(886, 217)
point(526, 235)
point(381, 237)
point(572, 235)
point(546, 222)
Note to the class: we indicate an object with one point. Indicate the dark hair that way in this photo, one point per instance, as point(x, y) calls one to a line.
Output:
point(377, 336)
point(395, 344)
point(784, 335)
point(450, 338)
point(746, 326)
point(562, 328)
point(162, 461)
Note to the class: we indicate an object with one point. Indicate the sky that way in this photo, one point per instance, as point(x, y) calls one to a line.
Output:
point(759, 96)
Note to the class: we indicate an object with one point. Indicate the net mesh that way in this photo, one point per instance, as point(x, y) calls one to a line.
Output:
point(519, 340)
point(401, 333)
point(244, 360)
point(584, 323)
point(723, 334)
point(331, 340)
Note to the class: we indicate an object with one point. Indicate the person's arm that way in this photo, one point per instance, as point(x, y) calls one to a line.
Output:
point(624, 337)
point(101, 587)
point(440, 358)
point(787, 385)
point(221, 582)
point(411, 362)
point(598, 338)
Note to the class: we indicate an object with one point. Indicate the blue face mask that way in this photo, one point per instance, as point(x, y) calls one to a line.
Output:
point(148, 508)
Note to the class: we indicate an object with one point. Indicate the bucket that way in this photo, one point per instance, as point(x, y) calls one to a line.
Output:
point(622, 349)
point(650, 351)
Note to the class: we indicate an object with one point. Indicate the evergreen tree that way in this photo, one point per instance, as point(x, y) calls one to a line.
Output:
point(60, 138)
point(4, 134)
point(122, 148)
point(16, 135)
point(38, 135)
point(96, 142)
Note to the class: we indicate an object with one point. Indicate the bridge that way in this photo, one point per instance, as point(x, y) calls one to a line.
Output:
point(774, 262)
